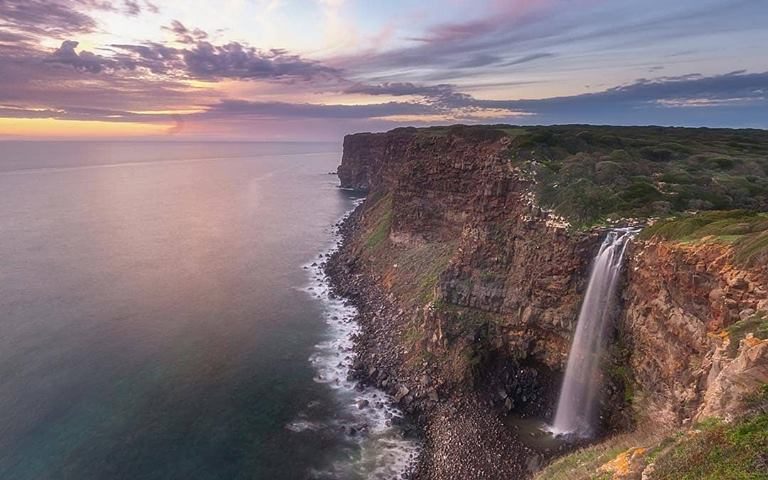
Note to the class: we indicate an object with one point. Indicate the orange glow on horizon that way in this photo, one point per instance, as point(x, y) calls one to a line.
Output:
point(50, 127)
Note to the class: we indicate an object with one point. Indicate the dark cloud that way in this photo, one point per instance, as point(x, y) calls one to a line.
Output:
point(51, 18)
point(65, 77)
point(13, 37)
point(658, 100)
point(184, 34)
point(401, 89)
point(235, 60)
point(733, 99)
point(132, 8)
point(228, 108)
point(202, 61)
point(155, 57)
point(83, 61)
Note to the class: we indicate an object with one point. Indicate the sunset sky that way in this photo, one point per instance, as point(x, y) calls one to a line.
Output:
point(316, 69)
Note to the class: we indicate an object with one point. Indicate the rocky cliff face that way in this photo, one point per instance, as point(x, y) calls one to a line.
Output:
point(471, 291)
point(684, 306)
point(504, 258)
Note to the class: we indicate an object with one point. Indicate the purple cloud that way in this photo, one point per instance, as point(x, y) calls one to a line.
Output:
point(184, 34)
point(52, 18)
point(227, 108)
point(401, 89)
point(235, 60)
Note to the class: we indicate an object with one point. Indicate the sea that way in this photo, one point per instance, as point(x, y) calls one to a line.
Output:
point(164, 315)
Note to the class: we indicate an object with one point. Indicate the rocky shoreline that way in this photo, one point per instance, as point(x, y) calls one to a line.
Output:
point(463, 435)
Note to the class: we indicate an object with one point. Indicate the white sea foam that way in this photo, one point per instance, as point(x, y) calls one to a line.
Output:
point(368, 412)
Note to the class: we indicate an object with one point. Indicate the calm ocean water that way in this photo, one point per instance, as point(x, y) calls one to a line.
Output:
point(156, 321)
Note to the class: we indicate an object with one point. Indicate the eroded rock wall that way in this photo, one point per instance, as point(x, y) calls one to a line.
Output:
point(681, 302)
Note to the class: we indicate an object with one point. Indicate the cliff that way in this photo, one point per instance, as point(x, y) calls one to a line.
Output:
point(469, 292)
point(683, 302)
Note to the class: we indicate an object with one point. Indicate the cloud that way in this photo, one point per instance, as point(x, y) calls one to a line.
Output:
point(515, 35)
point(401, 89)
point(83, 61)
point(234, 60)
point(184, 34)
point(38, 78)
point(13, 37)
point(228, 108)
point(203, 61)
point(155, 57)
point(642, 101)
point(528, 58)
point(734, 99)
point(132, 8)
point(51, 18)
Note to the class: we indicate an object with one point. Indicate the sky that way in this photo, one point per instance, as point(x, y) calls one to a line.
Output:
point(317, 69)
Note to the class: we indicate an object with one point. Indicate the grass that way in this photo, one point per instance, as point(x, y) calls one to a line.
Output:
point(418, 271)
point(381, 214)
point(756, 324)
point(746, 231)
point(719, 451)
point(714, 450)
point(583, 464)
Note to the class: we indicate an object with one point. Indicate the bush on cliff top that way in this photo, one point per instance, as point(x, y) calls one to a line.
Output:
point(588, 174)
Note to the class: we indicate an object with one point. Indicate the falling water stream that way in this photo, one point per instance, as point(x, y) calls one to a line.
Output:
point(576, 408)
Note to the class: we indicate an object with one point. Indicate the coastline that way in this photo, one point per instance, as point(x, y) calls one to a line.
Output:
point(462, 435)
point(384, 444)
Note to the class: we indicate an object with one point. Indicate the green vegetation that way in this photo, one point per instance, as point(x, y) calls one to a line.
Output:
point(756, 324)
point(589, 174)
point(418, 271)
point(712, 450)
point(719, 451)
point(381, 212)
point(746, 231)
point(584, 464)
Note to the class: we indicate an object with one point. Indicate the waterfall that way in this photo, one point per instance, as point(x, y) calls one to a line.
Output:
point(576, 407)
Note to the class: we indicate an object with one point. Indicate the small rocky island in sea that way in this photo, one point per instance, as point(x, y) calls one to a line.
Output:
point(618, 272)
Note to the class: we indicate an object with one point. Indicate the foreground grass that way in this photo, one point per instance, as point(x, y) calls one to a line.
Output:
point(719, 451)
point(713, 450)
point(584, 463)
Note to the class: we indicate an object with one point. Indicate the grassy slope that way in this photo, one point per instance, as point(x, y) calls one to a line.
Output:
point(712, 451)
